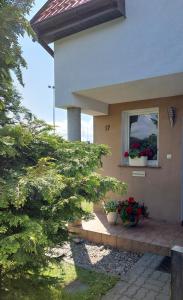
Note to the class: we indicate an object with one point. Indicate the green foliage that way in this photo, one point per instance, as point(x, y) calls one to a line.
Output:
point(44, 181)
point(51, 283)
point(13, 25)
point(132, 212)
point(133, 153)
point(11, 110)
point(111, 206)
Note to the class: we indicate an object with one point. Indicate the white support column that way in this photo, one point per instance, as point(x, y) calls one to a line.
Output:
point(74, 123)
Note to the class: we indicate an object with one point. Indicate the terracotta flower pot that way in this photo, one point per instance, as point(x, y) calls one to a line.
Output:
point(112, 218)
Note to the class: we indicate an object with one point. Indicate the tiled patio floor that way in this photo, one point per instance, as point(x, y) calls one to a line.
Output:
point(150, 236)
point(143, 282)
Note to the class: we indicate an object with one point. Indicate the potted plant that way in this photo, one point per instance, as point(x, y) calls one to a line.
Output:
point(131, 212)
point(138, 155)
point(111, 209)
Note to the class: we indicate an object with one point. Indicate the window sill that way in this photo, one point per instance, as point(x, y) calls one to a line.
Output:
point(140, 167)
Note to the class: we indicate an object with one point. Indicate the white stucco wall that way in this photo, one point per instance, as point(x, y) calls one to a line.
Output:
point(148, 43)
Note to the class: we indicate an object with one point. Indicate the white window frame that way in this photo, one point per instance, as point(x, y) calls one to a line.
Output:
point(125, 132)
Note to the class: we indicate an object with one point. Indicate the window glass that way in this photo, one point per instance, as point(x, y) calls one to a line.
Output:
point(143, 133)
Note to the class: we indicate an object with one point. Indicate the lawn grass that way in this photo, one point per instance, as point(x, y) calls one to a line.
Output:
point(51, 285)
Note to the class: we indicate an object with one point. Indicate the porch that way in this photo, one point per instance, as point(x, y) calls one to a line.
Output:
point(150, 236)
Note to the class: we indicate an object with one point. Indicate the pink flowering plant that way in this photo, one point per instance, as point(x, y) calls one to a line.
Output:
point(132, 212)
point(138, 150)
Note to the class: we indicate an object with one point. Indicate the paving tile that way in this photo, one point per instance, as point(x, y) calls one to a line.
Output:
point(154, 236)
point(147, 273)
point(153, 288)
point(108, 239)
point(154, 282)
point(123, 244)
point(117, 291)
point(165, 277)
point(83, 234)
point(162, 297)
point(131, 291)
point(121, 287)
point(111, 297)
point(166, 290)
point(141, 293)
point(94, 237)
point(156, 275)
point(157, 259)
point(133, 278)
point(123, 298)
point(144, 282)
point(148, 256)
point(140, 270)
point(151, 295)
point(141, 246)
point(140, 281)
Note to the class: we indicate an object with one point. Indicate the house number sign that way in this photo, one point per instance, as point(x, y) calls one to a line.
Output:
point(107, 127)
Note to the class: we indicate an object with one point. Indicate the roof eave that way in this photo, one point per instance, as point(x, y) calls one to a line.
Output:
point(87, 15)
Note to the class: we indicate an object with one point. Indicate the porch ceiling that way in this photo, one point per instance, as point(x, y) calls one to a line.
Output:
point(151, 88)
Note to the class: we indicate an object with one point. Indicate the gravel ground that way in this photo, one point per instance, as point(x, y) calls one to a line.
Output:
point(97, 257)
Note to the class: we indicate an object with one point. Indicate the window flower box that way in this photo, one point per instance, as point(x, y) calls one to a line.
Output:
point(138, 161)
point(138, 155)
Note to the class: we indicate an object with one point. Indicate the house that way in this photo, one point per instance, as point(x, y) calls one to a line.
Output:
point(121, 61)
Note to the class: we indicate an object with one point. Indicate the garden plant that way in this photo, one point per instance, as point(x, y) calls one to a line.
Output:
point(43, 178)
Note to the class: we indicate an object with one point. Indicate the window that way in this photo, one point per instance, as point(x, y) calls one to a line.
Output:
point(141, 129)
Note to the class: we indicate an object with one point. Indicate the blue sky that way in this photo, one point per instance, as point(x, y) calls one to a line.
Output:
point(40, 73)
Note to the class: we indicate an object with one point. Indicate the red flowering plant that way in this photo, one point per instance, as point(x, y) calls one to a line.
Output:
point(131, 212)
point(138, 150)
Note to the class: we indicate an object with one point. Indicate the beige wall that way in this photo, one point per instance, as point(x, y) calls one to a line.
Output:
point(160, 189)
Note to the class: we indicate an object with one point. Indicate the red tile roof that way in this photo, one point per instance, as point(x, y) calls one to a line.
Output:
point(54, 7)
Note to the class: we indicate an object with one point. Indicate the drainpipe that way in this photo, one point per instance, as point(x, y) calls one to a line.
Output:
point(74, 123)
point(44, 45)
